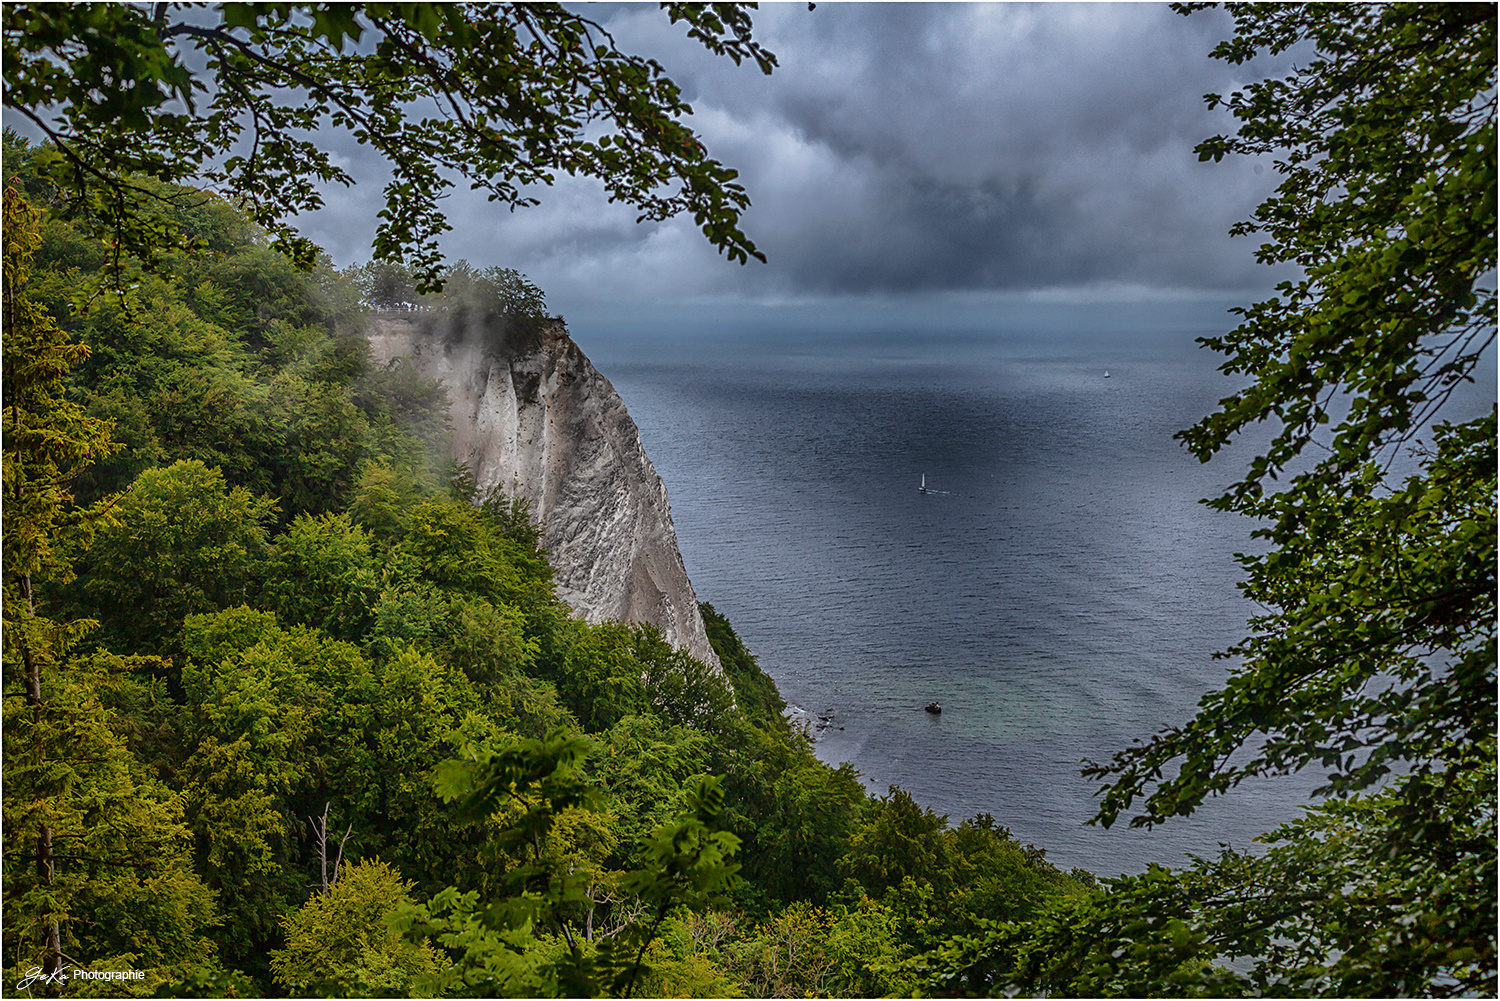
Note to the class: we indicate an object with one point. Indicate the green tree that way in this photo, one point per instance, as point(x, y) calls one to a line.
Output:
point(494, 292)
point(865, 944)
point(384, 497)
point(235, 360)
point(174, 384)
point(528, 940)
point(324, 440)
point(685, 867)
point(646, 765)
point(180, 541)
point(508, 96)
point(109, 884)
point(1375, 658)
point(788, 956)
point(424, 712)
point(271, 719)
point(488, 641)
point(458, 550)
point(384, 285)
point(794, 814)
point(974, 873)
point(496, 308)
point(339, 945)
point(323, 573)
point(679, 688)
point(680, 966)
point(754, 690)
point(597, 677)
point(48, 437)
point(278, 725)
point(902, 839)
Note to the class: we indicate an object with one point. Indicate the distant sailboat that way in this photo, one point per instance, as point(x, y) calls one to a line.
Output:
point(1106, 373)
point(925, 489)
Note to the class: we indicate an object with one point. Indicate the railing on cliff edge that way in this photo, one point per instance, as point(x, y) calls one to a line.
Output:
point(418, 308)
point(403, 308)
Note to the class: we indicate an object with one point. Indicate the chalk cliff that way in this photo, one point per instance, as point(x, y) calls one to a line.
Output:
point(538, 420)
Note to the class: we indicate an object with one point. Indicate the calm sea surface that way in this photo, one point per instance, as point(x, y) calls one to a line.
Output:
point(1062, 597)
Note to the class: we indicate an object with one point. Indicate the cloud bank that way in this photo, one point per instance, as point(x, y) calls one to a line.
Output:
point(906, 150)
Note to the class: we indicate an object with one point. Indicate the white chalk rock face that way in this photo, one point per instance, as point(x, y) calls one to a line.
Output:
point(540, 422)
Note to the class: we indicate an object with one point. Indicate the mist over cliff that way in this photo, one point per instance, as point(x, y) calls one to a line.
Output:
point(533, 417)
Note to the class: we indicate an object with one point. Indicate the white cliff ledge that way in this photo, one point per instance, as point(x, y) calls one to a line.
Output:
point(540, 422)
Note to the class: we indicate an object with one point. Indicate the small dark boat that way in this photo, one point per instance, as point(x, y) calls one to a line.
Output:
point(933, 708)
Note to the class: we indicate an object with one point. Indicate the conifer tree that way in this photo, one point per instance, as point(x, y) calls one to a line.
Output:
point(98, 860)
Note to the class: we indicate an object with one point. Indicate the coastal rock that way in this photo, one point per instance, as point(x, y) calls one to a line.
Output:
point(533, 416)
point(815, 725)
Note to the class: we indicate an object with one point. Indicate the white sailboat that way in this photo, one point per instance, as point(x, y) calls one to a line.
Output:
point(923, 487)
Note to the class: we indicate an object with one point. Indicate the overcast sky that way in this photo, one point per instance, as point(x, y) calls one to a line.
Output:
point(909, 151)
point(902, 154)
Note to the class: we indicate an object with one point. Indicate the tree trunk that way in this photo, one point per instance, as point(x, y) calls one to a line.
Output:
point(44, 870)
point(45, 866)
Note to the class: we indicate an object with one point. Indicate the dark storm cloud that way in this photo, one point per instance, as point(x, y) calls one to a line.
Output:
point(906, 148)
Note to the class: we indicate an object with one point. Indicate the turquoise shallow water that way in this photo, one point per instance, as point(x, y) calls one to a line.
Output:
point(1062, 598)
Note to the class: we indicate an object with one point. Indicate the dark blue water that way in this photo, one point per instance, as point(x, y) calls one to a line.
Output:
point(1063, 597)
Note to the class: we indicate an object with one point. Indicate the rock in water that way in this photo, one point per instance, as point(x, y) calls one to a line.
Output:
point(532, 416)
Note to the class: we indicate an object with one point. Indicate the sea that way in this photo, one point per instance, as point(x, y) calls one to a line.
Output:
point(1059, 590)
